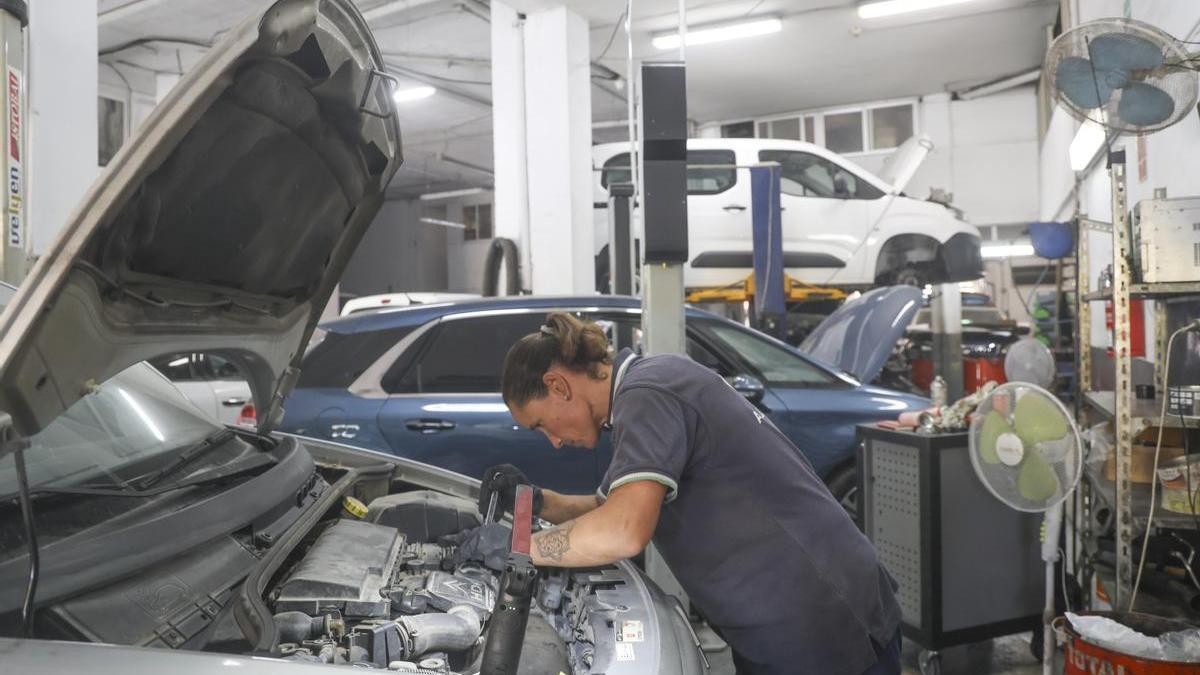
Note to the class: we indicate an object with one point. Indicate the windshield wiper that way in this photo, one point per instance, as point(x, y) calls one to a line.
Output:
point(185, 456)
point(235, 469)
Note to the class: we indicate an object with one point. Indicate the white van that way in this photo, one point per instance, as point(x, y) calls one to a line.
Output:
point(842, 225)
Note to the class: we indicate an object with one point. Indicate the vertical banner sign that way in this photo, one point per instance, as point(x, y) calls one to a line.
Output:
point(15, 197)
point(766, 214)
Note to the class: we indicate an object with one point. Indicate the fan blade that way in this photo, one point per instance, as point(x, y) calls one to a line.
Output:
point(1124, 52)
point(1037, 419)
point(1145, 105)
point(1037, 481)
point(993, 426)
point(1081, 85)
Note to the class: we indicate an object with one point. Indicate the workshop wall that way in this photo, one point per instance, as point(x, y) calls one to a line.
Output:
point(398, 253)
point(982, 153)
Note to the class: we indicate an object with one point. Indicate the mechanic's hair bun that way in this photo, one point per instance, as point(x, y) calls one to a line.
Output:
point(563, 340)
point(581, 345)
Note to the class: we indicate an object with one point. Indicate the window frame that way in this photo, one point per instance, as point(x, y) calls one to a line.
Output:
point(607, 167)
point(818, 117)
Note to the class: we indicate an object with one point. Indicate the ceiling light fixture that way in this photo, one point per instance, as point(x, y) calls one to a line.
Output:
point(443, 223)
point(730, 31)
point(450, 194)
point(875, 10)
point(1006, 250)
point(414, 94)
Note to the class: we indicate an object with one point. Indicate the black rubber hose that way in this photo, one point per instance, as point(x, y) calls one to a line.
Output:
point(502, 250)
point(297, 627)
point(456, 630)
point(506, 632)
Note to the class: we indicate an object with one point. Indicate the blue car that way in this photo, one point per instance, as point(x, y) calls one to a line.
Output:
point(423, 382)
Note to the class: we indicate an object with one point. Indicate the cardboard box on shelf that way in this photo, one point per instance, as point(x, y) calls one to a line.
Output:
point(1142, 467)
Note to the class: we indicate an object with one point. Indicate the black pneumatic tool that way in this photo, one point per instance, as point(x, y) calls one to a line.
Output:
point(506, 634)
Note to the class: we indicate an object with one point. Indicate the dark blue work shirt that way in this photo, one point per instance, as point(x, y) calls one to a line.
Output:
point(748, 528)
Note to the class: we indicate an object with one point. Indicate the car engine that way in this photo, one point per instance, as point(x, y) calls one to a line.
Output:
point(381, 592)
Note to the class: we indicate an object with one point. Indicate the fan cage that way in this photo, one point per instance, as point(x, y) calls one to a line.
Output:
point(1001, 480)
point(1177, 77)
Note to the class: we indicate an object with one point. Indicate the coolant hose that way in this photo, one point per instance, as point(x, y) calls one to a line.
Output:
point(297, 627)
point(456, 630)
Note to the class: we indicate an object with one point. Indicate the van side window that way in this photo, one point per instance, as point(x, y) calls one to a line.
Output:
point(808, 175)
point(709, 172)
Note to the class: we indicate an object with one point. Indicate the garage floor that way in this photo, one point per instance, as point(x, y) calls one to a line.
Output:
point(1004, 656)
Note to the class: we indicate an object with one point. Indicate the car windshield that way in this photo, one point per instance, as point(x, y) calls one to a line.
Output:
point(131, 419)
point(775, 364)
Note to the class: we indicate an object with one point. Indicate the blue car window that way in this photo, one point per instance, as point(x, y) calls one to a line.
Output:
point(341, 357)
point(465, 356)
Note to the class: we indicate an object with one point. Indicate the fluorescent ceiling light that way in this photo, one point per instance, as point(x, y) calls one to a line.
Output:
point(450, 194)
point(1006, 250)
point(443, 223)
point(874, 10)
point(729, 31)
point(1088, 140)
point(414, 94)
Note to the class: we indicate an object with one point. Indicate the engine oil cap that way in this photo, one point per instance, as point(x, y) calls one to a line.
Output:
point(354, 507)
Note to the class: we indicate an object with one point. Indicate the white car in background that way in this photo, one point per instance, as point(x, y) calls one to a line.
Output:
point(387, 300)
point(212, 384)
point(842, 225)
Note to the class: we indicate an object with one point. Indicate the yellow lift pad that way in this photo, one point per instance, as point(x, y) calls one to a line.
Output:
point(742, 291)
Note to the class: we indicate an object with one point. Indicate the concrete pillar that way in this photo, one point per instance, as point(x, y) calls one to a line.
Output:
point(62, 109)
point(553, 49)
point(510, 211)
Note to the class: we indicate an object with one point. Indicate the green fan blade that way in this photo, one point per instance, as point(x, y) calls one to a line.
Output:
point(1037, 481)
point(1038, 419)
point(993, 425)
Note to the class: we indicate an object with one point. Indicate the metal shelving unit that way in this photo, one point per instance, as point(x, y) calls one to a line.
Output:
point(1159, 290)
point(1130, 416)
point(1145, 412)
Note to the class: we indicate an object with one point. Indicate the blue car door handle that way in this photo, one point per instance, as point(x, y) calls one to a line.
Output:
point(428, 426)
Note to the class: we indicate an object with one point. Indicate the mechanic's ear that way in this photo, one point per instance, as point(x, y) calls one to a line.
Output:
point(557, 385)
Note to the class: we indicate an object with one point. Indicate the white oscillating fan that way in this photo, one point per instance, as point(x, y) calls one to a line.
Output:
point(1028, 360)
point(1027, 451)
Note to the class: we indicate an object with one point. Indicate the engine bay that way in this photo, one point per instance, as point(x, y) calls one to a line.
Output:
point(382, 591)
point(278, 565)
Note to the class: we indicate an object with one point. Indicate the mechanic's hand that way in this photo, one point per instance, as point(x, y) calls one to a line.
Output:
point(503, 480)
point(488, 544)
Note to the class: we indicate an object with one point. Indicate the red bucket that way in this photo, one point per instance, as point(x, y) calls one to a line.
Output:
point(1086, 658)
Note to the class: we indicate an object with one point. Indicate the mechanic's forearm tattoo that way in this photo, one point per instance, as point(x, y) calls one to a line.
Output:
point(554, 543)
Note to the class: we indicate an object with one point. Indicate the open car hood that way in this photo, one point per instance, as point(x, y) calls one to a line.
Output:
point(860, 335)
point(900, 166)
point(223, 225)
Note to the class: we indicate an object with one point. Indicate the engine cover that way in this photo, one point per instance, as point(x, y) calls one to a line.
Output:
point(447, 590)
point(345, 569)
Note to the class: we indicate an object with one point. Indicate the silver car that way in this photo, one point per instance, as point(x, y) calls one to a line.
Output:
point(136, 533)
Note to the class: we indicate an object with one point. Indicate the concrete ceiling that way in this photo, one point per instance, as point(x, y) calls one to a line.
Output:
point(824, 56)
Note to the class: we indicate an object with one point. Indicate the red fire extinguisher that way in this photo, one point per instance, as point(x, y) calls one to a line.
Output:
point(1137, 327)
